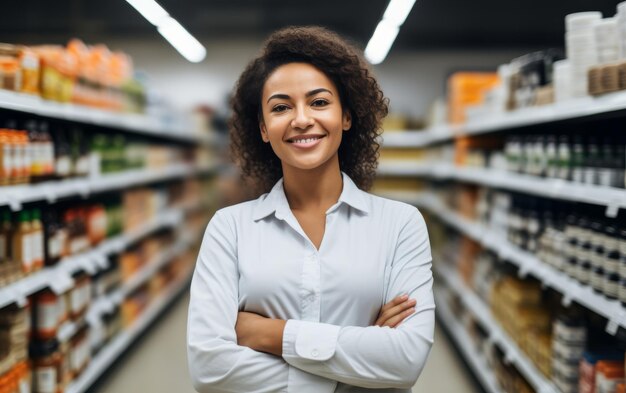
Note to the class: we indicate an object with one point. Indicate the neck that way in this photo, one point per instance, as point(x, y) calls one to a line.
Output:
point(313, 189)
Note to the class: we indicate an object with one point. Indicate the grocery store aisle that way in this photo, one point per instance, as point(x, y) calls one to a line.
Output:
point(158, 364)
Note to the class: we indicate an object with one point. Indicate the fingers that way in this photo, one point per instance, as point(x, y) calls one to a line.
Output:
point(396, 320)
point(394, 302)
point(395, 314)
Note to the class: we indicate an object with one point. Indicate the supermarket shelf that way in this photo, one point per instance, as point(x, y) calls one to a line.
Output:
point(573, 109)
point(107, 302)
point(416, 138)
point(59, 277)
point(152, 267)
point(107, 355)
point(527, 263)
point(140, 124)
point(15, 196)
point(476, 361)
point(611, 197)
point(513, 354)
point(67, 330)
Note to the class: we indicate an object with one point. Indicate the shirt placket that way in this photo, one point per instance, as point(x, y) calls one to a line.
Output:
point(310, 287)
point(310, 303)
point(310, 282)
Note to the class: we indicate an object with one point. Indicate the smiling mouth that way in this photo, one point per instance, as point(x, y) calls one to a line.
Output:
point(300, 140)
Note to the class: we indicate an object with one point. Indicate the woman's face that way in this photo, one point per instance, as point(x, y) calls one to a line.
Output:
point(302, 116)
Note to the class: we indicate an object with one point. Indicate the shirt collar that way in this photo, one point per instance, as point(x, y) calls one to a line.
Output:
point(276, 201)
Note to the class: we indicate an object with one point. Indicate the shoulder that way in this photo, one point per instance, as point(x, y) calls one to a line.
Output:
point(240, 212)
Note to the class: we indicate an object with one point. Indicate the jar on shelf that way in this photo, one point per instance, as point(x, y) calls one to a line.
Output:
point(47, 362)
point(10, 77)
point(47, 314)
point(80, 352)
point(80, 296)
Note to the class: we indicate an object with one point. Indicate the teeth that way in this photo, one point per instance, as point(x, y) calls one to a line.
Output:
point(305, 140)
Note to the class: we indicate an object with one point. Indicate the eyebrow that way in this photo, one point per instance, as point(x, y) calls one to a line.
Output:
point(309, 94)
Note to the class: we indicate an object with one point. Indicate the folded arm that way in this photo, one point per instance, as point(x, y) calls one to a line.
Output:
point(216, 362)
point(375, 357)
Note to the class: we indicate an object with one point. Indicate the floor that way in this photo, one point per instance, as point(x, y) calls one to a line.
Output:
point(157, 363)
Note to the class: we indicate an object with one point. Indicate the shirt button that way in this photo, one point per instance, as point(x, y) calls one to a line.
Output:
point(314, 353)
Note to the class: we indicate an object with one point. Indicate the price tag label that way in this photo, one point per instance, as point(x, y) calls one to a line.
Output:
point(611, 327)
point(84, 189)
point(14, 202)
point(117, 297)
point(20, 297)
point(49, 194)
point(88, 264)
point(508, 356)
point(101, 260)
point(614, 204)
point(566, 300)
point(119, 245)
point(60, 282)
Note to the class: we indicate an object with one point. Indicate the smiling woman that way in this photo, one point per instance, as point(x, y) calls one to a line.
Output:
point(344, 71)
point(316, 286)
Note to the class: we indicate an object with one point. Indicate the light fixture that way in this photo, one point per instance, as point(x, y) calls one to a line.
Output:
point(186, 44)
point(381, 42)
point(387, 30)
point(398, 10)
point(149, 9)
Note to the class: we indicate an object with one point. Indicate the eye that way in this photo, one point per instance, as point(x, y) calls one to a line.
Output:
point(280, 108)
point(319, 103)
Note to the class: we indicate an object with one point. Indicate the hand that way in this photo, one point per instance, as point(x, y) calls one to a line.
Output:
point(260, 333)
point(394, 312)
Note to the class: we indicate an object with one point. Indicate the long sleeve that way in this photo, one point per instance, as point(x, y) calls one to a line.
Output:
point(216, 363)
point(375, 357)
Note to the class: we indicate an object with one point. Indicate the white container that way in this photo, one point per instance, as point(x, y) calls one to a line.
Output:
point(581, 20)
point(621, 29)
point(581, 49)
point(562, 75)
point(606, 40)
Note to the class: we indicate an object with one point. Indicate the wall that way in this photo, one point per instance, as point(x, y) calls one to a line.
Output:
point(411, 80)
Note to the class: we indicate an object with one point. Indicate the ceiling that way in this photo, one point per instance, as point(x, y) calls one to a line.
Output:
point(445, 24)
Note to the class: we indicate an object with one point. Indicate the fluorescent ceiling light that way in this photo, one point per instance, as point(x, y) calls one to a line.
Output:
point(381, 42)
point(387, 30)
point(181, 40)
point(398, 10)
point(150, 10)
point(186, 44)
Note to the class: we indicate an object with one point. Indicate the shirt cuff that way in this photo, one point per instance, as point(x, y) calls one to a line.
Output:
point(309, 340)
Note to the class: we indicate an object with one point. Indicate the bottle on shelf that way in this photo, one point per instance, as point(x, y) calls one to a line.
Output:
point(55, 237)
point(62, 154)
point(37, 239)
point(21, 241)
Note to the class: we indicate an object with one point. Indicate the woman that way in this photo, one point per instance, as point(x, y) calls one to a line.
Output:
point(288, 288)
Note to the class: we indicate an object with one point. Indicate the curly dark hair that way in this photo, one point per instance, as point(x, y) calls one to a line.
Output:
point(359, 93)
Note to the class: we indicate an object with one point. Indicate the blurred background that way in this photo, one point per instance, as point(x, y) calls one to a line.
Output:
point(506, 130)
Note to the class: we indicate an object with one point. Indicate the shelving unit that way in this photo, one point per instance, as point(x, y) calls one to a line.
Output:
point(576, 111)
point(59, 278)
point(121, 342)
point(140, 124)
point(573, 109)
point(613, 198)
point(497, 335)
point(476, 360)
point(527, 263)
point(15, 196)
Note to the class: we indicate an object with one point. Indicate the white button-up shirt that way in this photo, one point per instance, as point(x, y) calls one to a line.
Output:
point(255, 257)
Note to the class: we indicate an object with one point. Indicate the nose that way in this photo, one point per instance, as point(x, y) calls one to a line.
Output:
point(302, 119)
